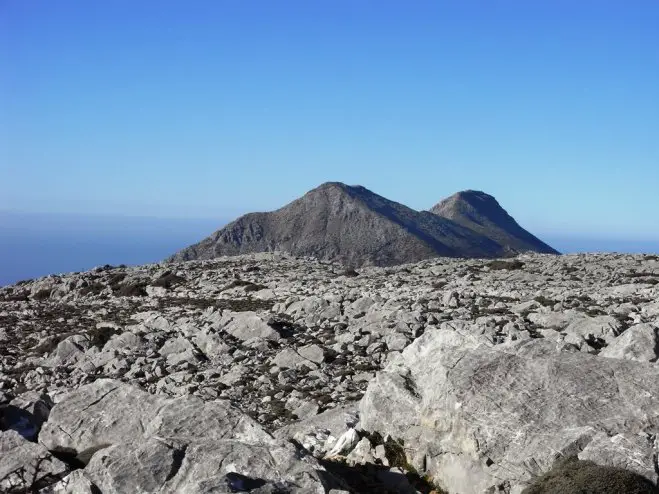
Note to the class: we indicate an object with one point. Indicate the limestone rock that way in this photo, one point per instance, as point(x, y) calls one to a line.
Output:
point(140, 466)
point(248, 325)
point(201, 467)
point(640, 342)
point(314, 353)
point(25, 465)
point(189, 352)
point(473, 417)
point(109, 412)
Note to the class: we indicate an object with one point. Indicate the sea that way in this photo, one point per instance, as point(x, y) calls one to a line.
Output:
point(34, 245)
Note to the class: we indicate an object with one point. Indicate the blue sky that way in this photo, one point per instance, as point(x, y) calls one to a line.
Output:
point(214, 108)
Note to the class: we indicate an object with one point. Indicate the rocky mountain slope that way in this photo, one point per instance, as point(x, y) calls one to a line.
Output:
point(268, 373)
point(354, 226)
point(480, 212)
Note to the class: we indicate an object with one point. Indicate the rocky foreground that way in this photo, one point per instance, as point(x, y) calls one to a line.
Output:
point(267, 373)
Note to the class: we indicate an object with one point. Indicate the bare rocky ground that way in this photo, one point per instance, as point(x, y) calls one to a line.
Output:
point(267, 373)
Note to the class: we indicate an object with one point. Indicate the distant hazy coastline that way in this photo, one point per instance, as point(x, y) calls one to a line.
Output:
point(34, 245)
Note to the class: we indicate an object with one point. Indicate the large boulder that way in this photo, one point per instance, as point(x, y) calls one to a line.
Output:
point(248, 325)
point(319, 433)
point(604, 328)
point(109, 412)
point(204, 467)
point(478, 417)
point(639, 342)
point(132, 441)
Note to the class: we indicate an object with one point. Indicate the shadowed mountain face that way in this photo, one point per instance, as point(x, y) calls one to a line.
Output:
point(348, 224)
point(481, 213)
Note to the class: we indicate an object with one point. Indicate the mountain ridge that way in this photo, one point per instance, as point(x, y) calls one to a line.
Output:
point(482, 213)
point(355, 226)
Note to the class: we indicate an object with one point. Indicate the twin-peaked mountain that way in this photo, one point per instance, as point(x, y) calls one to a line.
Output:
point(354, 226)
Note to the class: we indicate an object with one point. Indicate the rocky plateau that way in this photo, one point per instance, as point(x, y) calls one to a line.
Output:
point(270, 373)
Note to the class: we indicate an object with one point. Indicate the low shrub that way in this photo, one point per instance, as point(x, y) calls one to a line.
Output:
point(131, 289)
point(350, 273)
point(42, 294)
point(573, 476)
point(505, 265)
point(94, 288)
point(544, 301)
point(168, 280)
point(100, 336)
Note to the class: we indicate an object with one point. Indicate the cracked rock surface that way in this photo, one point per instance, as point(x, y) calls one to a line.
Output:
point(478, 372)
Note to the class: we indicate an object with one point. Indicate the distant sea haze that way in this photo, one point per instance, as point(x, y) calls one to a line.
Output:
point(35, 245)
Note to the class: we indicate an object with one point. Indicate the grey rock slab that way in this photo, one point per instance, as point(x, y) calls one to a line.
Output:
point(651, 311)
point(314, 353)
point(248, 325)
point(604, 327)
point(288, 359)
point(71, 349)
point(306, 409)
point(309, 305)
point(234, 375)
point(396, 341)
point(108, 412)
point(189, 418)
point(211, 343)
point(98, 415)
point(176, 345)
point(476, 416)
point(639, 342)
point(319, 433)
point(25, 465)
point(556, 320)
point(207, 468)
point(140, 466)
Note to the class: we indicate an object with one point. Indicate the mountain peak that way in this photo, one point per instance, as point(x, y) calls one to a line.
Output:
point(472, 194)
point(353, 225)
point(342, 187)
point(481, 212)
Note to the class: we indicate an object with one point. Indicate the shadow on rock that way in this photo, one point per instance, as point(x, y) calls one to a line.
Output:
point(19, 420)
point(375, 479)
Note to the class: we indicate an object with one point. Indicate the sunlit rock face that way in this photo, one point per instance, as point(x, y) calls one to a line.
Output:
point(300, 372)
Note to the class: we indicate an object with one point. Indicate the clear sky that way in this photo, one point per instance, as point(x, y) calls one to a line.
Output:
point(214, 108)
